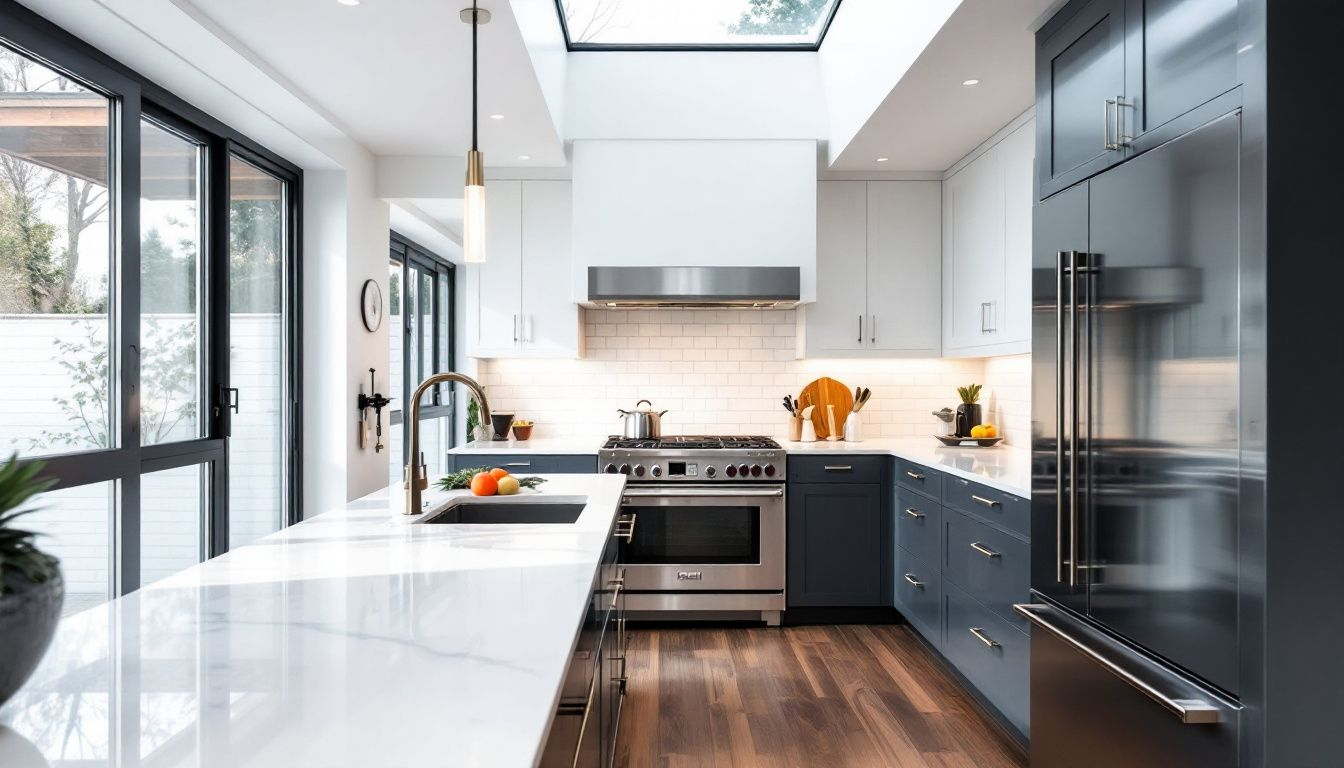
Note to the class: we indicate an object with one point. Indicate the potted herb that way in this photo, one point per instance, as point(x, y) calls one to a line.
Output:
point(968, 413)
point(31, 588)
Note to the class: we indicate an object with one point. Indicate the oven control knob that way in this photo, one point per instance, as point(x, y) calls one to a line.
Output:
point(610, 469)
point(625, 469)
point(743, 470)
point(657, 470)
point(755, 470)
point(730, 470)
point(769, 470)
point(639, 470)
point(710, 471)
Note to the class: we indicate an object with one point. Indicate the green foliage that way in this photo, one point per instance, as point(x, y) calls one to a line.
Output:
point(473, 418)
point(32, 275)
point(969, 394)
point(19, 556)
point(167, 280)
point(461, 479)
point(779, 17)
point(255, 231)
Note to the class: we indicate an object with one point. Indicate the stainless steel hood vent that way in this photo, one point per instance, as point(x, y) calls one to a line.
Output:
point(694, 287)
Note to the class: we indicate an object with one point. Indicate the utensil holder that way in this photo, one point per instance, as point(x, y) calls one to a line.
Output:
point(853, 428)
point(796, 429)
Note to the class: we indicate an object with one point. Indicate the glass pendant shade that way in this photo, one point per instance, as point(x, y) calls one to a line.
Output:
point(473, 210)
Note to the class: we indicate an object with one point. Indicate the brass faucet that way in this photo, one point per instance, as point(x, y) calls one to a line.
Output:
point(417, 473)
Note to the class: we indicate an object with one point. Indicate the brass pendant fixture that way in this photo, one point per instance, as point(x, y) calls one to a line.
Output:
point(473, 199)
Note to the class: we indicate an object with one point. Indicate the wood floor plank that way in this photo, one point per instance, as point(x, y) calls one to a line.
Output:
point(848, 696)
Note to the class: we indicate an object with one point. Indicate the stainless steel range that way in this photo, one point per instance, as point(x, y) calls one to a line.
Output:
point(708, 539)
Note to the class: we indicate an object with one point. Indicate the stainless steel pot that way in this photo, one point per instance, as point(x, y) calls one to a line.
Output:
point(642, 422)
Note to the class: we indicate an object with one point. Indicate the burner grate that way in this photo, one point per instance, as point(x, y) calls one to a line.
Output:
point(693, 442)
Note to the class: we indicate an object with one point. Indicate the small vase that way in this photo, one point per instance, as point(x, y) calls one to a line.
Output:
point(796, 429)
point(853, 428)
point(968, 416)
point(28, 619)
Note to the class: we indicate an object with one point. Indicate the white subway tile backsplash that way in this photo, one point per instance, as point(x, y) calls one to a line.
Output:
point(723, 371)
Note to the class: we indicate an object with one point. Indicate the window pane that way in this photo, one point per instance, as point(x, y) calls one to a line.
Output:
point(172, 511)
point(257, 353)
point(396, 339)
point(54, 262)
point(170, 327)
point(76, 526)
point(696, 22)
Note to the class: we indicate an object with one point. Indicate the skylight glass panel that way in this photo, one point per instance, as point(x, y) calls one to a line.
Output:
point(678, 24)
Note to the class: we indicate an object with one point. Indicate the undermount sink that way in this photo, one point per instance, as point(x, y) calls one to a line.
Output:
point(507, 513)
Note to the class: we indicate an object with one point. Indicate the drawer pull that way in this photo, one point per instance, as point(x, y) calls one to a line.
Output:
point(519, 464)
point(914, 582)
point(914, 475)
point(982, 637)
point(987, 502)
point(982, 549)
point(911, 511)
point(838, 468)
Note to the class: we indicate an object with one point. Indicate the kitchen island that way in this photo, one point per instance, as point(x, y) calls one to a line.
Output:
point(355, 638)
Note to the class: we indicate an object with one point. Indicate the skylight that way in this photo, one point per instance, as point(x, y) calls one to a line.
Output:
point(695, 24)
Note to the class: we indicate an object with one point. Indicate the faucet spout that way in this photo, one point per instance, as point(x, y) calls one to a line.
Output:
point(417, 477)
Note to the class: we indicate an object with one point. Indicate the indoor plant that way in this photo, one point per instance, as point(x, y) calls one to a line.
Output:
point(968, 413)
point(31, 588)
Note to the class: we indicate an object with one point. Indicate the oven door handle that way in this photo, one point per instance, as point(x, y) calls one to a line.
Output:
point(720, 493)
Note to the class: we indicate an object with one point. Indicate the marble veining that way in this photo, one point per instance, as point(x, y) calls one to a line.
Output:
point(355, 638)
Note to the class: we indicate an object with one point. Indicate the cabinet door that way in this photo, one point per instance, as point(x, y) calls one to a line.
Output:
point(549, 318)
point(1188, 50)
point(836, 322)
point(493, 287)
point(973, 232)
point(1080, 64)
point(1012, 322)
point(905, 267)
point(835, 538)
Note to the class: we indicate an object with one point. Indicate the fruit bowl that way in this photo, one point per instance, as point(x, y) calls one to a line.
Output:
point(958, 440)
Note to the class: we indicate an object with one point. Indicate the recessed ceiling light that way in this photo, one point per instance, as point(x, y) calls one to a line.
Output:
point(883, 159)
point(972, 81)
point(348, 2)
point(496, 116)
point(524, 157)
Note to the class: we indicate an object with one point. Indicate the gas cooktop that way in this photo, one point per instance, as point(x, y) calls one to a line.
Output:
point(691, 443)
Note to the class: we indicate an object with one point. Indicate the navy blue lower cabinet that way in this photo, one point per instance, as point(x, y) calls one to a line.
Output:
point(918, 595)
point(838, 545)
point(526, 463)
point(994, 655)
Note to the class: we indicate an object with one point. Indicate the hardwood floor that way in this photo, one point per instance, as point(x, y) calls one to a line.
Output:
point(799, 696)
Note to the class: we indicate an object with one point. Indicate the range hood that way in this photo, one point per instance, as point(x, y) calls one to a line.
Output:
point(694, 287)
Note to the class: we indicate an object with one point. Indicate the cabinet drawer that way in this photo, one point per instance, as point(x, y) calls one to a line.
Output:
point(919, 595)
point(919, 478)
point(990, 564)
point(992, 654)
point(836, 469)
point(919, 526)
point(1011, 512)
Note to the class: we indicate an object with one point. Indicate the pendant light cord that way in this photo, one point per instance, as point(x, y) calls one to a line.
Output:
point(474, 117)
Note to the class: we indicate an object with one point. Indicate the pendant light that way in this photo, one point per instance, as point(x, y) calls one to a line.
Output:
point(473, 200)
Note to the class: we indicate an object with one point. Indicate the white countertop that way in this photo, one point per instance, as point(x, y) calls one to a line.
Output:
point(1005, 468)
point(355, 638)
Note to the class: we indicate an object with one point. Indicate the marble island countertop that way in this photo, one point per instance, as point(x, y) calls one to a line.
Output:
point(1005, 468)
point(355, 638)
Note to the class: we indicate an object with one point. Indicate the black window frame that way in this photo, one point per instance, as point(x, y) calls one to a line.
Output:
point(133, 98)
point(572, 46)
point(441, 399)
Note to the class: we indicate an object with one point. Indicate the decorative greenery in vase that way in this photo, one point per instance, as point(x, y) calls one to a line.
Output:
point(969, 394)
point(20, 559)
point(31, 588)
point(968, 413)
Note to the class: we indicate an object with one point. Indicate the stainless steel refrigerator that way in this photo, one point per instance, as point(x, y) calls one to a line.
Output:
point(1135, 525)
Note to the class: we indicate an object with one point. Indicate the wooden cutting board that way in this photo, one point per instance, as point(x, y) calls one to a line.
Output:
point(821, 393)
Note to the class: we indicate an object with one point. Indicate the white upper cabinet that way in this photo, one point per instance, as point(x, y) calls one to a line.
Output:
point(878, 270)
point(519, 301)
point(987, 249)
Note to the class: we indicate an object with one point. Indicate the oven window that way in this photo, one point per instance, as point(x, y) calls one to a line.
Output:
point(694, 535)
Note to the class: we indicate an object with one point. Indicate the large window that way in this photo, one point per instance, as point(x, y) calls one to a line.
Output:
point(420, 335)
point(696, 24)
point(148, 313)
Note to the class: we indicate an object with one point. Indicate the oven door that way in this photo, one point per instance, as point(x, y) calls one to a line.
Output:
point(705, 538)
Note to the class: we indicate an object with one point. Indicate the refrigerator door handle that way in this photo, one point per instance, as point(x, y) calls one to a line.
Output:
point(1075, 265)
point(1189, 703)
point(1060, 270)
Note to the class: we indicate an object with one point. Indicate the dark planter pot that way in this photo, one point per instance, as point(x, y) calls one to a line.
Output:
point(968, 415)
point(28, 619)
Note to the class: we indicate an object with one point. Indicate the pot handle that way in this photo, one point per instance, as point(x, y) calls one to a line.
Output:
point(623, 412)
point(646, 401)
point(661, 414)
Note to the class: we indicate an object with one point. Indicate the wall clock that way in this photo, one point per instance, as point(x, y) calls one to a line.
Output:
point(371, 305)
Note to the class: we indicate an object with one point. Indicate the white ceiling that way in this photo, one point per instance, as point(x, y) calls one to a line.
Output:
point(396, 74)
point(930, 120)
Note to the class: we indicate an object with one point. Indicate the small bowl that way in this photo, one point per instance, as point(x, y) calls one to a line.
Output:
point(500, 423)
point(522, 431)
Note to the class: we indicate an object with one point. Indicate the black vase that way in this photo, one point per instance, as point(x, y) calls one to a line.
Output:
point(968, 415)
point(28, 618)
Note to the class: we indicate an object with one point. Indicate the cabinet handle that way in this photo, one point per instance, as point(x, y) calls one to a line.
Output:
point(1121, 140)
point(986, 502)
point(1106, 142)
point(984, 324)
point(838, 468)
point(515, 329)
point(860, 329)
point(911, 511)
point(914, 582)
point(872, 330)
point(982, 637)
point(982, 549)
point(519, 464)
point(914, 475)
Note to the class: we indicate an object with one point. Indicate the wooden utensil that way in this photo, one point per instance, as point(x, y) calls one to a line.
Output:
point(821, 393)
point(861, 399)
point(830, 423)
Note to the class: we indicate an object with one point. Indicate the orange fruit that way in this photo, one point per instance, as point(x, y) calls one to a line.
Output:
point(484, 484)
point(991, 430)
point(499, 472)
point(978, 431)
